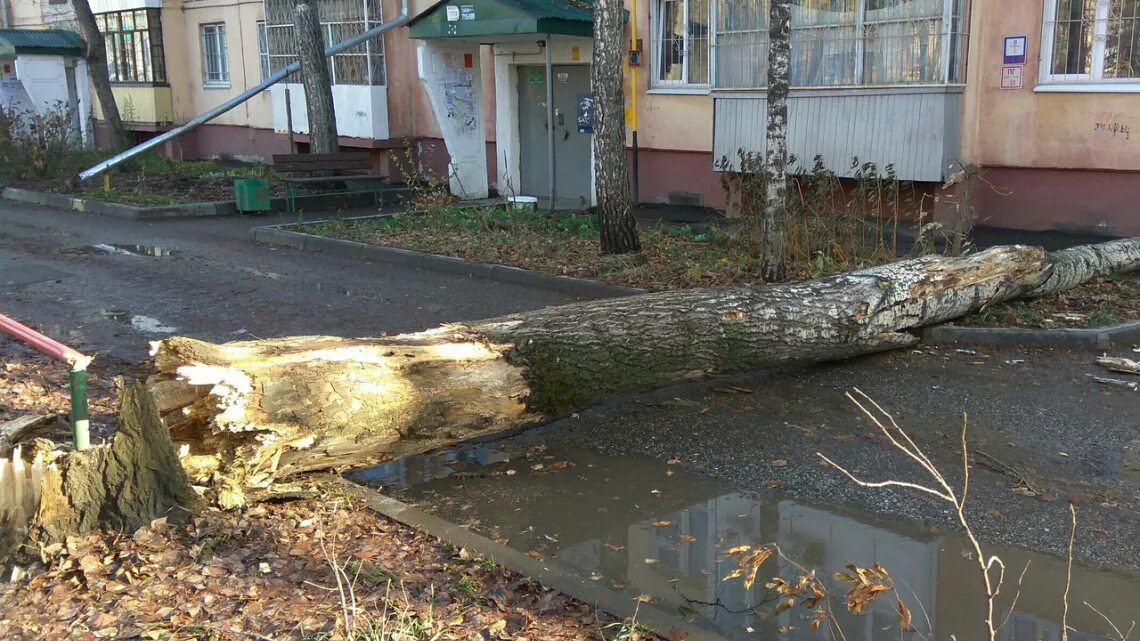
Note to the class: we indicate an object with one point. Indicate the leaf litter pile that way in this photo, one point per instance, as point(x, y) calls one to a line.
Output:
point(268, 573)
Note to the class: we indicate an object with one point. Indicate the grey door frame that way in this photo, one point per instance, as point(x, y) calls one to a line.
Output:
point(513, 70)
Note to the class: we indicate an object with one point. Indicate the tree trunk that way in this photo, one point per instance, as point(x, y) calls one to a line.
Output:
point(261, 410)
point(97, 71)
point(315, 77)
point(773, 259)
point(611, 174)
point(122, 485)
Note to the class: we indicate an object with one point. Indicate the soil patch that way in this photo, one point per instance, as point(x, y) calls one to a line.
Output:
point(148, 180)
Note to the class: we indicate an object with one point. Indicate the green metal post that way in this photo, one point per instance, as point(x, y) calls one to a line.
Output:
point(80, 424)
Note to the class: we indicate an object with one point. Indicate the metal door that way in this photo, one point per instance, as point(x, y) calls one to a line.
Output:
point(572, 145)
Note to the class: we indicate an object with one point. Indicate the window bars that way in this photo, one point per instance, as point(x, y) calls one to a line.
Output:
point(340, 20)
point(133, 40)
point(215, 56)
point(1091, 40)
point(680, 38)
point(844, 43)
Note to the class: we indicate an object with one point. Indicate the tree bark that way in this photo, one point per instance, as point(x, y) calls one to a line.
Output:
point(262, 410)
point(315, 77)
point(97, 71)
point(611, 173)
point(122, 485)
point(773, 258)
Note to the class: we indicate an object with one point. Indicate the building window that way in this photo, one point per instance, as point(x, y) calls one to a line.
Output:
point(263, 49)
point(340, 20)
point(215, 56)
point(845, 43)
point(680, 42)
point(1091, 41)
point(133, 40)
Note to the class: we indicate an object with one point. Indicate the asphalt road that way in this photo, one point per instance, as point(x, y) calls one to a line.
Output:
point(217, 284)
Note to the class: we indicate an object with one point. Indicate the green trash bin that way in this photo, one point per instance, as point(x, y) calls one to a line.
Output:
point(251, 194)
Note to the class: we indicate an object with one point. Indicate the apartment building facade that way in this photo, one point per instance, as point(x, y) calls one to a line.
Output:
point(1039, 94)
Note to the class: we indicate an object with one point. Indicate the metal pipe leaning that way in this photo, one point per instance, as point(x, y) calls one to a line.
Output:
point(277, 76)
point(77, 377)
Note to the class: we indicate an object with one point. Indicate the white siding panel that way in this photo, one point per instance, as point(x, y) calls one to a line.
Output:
point(915, 130)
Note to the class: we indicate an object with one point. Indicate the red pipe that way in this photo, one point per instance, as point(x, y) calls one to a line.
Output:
point(43, 344)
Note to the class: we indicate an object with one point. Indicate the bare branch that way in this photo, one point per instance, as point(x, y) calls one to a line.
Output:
point(1122, 636)
point(1068, 575)
point(912, 486)
point(1013, 606)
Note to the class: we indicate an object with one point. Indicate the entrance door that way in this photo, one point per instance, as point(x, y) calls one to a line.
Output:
point(571, 148)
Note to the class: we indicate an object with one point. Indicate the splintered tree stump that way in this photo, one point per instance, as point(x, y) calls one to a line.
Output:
point(121, 485)
point(254, 412)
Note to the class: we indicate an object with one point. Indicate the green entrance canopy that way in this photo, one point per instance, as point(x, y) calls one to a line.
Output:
point(45, 42)
point(474, 18)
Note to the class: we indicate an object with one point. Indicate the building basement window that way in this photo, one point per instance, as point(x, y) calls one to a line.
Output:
point(340, 20)
point(134, 45)
point(215, 56)
point(844, 43)
point(1091, 41)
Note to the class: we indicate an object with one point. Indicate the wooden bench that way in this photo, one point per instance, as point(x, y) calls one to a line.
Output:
point(348, 172)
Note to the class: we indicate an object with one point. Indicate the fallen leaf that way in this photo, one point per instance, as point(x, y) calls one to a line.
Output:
point(673, 461)
point(662, 523)
point(688, 538)
point(779, 462)
point(534, 554)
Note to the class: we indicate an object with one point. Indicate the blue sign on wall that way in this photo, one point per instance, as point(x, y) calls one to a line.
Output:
point(1013, 50)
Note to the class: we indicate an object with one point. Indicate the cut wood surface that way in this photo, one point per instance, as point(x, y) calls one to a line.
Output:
point(258, 411)
point(1122, 365)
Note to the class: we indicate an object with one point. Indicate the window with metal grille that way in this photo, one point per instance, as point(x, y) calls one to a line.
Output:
point(340, 20)
point(1091, 41)
point(844, 43)
point(215, 56)
point(680, 42)
point(133, 41)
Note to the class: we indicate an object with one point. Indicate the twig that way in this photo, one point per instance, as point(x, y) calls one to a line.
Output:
point(1119, 635)
point(1016, 595)
point(907, 446)
point(1068, 575)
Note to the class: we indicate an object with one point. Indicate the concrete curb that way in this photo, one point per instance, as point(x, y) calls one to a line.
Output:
point(275, 235)
point(551, 574)
point(190, 210)
point(1123, 335)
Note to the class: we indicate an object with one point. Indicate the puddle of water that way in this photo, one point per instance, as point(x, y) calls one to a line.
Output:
point(122, 249)
point(139, 322)
point(646, 528)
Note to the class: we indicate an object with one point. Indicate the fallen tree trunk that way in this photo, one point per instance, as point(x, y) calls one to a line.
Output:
point(257, 411)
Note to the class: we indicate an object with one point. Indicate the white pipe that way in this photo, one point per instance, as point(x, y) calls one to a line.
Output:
point(273, 79)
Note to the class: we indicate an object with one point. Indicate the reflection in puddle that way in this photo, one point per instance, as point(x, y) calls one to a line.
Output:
point(122, 249)
point(645, 528)
point(139, 322)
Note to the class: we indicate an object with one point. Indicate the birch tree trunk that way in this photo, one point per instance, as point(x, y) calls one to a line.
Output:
point(261, 410)
point(611, 174)
point(315, 77)
point(98, 73)
point(773, 258)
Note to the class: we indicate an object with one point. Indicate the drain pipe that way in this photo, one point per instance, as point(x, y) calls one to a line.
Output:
point(77, 377)
point(273, 79)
